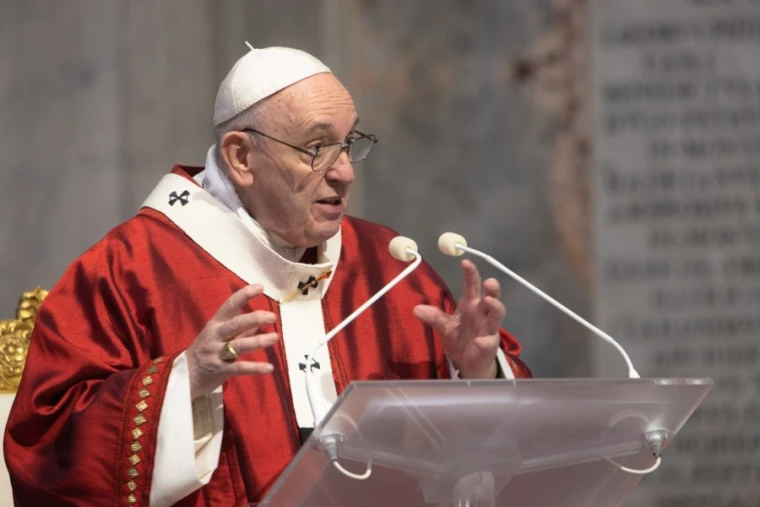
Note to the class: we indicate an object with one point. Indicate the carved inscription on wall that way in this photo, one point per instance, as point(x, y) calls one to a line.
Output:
point(677, 225)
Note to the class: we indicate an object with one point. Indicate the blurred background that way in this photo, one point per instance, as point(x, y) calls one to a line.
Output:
point(605, 150)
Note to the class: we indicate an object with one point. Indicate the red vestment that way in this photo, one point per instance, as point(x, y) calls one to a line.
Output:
point(106, 336)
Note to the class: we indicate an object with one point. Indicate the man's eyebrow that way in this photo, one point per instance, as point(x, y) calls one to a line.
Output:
point(326, 127)
point(320, 127)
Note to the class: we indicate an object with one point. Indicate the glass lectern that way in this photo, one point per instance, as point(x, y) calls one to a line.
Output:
point(511, 443)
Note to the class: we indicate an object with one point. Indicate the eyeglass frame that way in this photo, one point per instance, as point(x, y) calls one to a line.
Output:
point(344, 146)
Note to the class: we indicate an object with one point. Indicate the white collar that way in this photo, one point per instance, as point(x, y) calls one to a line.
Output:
point(244, 249)
point(216, 183)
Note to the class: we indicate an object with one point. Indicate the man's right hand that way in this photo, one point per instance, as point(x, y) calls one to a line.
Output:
point(205, 365)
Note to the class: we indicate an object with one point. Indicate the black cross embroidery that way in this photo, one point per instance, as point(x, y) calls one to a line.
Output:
point(314, 364)
point(182, 198)
point(311, 283)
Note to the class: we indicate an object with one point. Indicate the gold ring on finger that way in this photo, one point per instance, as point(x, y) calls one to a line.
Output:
point(228, 353)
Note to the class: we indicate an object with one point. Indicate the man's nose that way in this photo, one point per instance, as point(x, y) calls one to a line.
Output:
point(342, 170)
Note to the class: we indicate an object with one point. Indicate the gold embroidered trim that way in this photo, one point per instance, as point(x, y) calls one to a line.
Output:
point(139, 420)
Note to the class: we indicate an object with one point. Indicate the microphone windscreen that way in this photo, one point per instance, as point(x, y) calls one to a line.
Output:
point(398, 247)
point(448, 241)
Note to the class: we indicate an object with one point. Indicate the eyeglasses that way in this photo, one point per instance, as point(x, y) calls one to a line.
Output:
point(323, 157)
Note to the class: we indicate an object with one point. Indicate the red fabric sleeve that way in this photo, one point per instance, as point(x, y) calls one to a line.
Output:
point(519, 368)
point(82, 430)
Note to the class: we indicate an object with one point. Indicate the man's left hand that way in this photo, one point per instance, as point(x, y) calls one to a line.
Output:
point(471, 335)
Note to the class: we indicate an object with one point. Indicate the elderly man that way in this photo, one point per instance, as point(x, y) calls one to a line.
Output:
point(167, 365)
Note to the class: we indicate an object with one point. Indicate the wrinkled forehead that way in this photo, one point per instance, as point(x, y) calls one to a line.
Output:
point(317, 100)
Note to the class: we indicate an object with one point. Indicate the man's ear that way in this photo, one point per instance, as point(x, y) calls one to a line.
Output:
point(236, 149)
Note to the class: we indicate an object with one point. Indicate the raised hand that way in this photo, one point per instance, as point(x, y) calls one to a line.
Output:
point(213, 355)
point(471, 335)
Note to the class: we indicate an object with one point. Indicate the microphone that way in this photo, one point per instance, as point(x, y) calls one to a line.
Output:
point(455, 245)
point(401, 248)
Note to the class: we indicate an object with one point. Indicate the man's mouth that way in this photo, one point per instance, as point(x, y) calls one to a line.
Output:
point(332, 201)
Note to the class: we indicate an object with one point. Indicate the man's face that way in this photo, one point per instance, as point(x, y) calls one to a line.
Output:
point(286, 196)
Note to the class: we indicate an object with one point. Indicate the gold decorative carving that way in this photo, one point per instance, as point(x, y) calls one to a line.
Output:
point(14, 339)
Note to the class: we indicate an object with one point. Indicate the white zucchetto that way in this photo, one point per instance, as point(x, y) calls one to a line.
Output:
point(259, 74)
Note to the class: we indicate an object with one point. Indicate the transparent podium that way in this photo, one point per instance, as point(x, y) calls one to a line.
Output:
point(512, 443)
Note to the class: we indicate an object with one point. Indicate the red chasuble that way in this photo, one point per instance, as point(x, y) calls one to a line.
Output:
point(84, 423)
